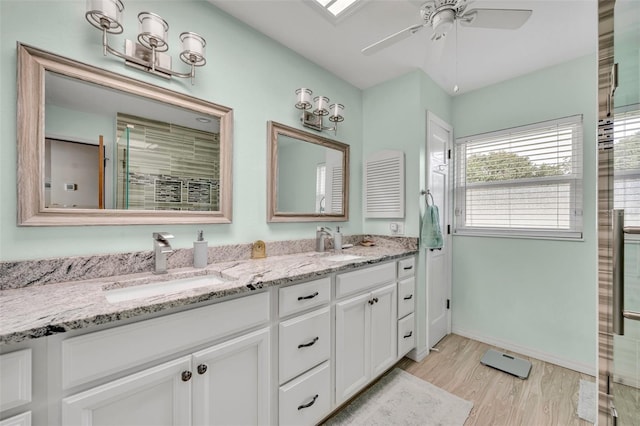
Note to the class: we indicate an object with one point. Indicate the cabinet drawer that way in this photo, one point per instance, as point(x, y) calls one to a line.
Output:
point(406, 267)
point(23, 419)
point(406, 335)
point(305, 400)
point(131, 345)
point(15, 379)
point(299, 297)
point(406, 296)
point(304, 342)
point(362, 279)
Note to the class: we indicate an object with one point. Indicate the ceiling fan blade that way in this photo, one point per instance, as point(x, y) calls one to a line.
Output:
point(392, 39)
point(505, 19)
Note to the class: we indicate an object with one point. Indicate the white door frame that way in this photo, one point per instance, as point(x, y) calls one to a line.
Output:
point(446, 215)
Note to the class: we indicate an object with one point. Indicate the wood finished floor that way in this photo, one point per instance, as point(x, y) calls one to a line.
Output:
point(548, 397)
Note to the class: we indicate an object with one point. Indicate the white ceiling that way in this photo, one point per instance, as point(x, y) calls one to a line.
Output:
point(557, 31)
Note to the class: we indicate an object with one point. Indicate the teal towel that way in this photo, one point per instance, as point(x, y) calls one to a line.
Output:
point(431, 235)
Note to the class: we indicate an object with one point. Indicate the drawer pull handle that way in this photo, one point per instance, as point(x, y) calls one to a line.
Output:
point(186, 376)
point(311, 343)
point(311, 296)
point(406, 336)
point(375, 300)
point(313, 401)
point(202, 368)
point(409, 297)
point(406, 268)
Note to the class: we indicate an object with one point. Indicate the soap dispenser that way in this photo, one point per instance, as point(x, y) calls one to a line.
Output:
point(200, 251)
point(337, 239)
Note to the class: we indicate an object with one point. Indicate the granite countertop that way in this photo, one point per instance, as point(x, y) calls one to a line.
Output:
point(38, 311)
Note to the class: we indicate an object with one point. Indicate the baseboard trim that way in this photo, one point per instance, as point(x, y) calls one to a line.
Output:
point(527, 351)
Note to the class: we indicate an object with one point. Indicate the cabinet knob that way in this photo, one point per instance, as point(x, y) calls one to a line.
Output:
point(186, 376)
point(375, 300)
point(309, 404)
point(370, 301)
point(202, 368)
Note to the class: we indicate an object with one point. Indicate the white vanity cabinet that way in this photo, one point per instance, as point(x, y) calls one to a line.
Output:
point(406, 306)
point(365, 327)
point(225, 383)
point(15, 385)
point(304, 352)
point(155, 396)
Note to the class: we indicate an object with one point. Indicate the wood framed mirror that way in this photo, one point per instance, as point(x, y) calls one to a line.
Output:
point(308, 176)
point(99, 148)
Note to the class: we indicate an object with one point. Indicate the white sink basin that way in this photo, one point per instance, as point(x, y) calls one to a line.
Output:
point(342, 257)
point(122, 294)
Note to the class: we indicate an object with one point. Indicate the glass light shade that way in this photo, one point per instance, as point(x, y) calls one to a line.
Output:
point(321, 104)
point(336, 112)
point(193, 49)
point(153, 31)
point(105, 14)
point(303, 98)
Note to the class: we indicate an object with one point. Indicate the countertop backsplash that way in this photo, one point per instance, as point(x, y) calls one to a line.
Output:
point(19, 274)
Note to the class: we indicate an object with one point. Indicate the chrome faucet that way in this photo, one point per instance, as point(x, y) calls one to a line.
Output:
point(161, 248)
point(321, 233)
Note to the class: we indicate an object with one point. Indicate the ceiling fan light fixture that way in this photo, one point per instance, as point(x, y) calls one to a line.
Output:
point(442, 22)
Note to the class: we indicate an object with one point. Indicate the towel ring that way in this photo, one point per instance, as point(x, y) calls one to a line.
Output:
point(428, 195)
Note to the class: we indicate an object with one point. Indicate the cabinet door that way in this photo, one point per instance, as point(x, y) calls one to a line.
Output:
point(231, 382)
point(157, 396)
point(352, 345)
point(383, 329)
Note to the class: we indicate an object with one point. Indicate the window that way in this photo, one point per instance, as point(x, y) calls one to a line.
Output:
point(337, 9)
point(626, 160)
point(321, 172)
point(524, 181)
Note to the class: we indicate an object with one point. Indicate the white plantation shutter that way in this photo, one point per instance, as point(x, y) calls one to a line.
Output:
point(524, 181)
point(336, 189)
point(384, 185)
point(626, 184)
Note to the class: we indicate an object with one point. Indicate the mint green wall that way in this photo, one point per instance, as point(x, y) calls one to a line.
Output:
point(537, 294)
point(395, 118)
point(246, 71)
point(79, 126)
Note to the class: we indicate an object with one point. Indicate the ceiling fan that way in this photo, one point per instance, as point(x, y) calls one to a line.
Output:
point(442, 14)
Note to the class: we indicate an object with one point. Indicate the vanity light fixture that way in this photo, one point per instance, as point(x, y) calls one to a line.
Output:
point(315, 109)
point(148, 53)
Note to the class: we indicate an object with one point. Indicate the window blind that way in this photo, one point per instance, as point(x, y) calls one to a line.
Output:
point(626, 160)
point(522, 181)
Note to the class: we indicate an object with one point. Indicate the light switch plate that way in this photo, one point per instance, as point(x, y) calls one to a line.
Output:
point(397, 228)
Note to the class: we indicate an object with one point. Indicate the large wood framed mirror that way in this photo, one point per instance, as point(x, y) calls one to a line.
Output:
point(99, 148)
point(308, 176)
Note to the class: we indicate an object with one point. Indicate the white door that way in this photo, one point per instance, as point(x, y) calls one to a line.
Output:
point(231, 382)
point(438, 273)
point(384, 329)
point(352, 346)
point(158, 396)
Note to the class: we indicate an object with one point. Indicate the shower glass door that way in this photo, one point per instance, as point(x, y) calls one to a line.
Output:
point(625, 386)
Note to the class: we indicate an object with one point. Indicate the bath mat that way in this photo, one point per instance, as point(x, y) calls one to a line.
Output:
point(400, 398)
point(587, 401)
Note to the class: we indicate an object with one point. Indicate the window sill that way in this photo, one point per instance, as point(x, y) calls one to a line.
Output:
point(521, 235)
